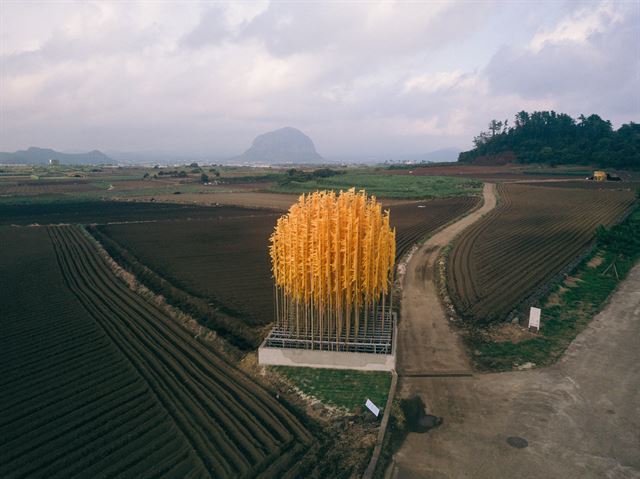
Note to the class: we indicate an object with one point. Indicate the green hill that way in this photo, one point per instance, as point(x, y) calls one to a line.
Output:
point(557, 138)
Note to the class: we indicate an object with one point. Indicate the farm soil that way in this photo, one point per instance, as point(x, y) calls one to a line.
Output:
point(426, 343)
point(98, 381)
point(579, 417)
point(101, 212)
point(244, 199)
point(346, 438)
point(531, 237)
point(50, 187)
point(241, 198)
point(225, 259)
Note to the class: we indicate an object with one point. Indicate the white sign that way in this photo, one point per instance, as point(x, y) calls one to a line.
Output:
point(534, 318)
point(372, 407)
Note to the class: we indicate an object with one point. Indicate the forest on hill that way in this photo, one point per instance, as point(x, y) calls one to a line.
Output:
point(557, 138)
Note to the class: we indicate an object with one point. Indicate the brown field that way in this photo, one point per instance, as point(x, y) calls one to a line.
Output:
point(47, 187)
point(223, 259)
point(88, 212)
point(534, 233)
point(416, 221)
point(226, 260)
point(587, 185)
point(244, 198)
point(97, 382)
point(573, 175)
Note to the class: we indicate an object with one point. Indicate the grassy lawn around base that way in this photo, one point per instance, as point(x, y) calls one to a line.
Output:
point(575, 302)
point(388, 186)
point(339, 387)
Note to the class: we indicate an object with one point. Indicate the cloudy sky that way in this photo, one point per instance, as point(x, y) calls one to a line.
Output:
point(360, 78)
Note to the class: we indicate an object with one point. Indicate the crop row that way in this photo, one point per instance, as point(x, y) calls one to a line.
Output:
point(95, 381)
point(70, 403)
point(533, 233)
point(232, 425)
point(415, 221)
point(219, 268)
point(214, 317)
point(222, 259)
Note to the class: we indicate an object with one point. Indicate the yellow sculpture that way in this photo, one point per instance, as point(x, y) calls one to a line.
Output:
point(332, 259)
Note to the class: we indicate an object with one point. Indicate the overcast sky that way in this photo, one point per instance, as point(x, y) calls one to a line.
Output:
point(357, 77)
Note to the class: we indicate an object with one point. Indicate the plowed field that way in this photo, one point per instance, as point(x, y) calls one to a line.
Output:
point(532, 235)
point(414, 221)
point(110, 211)
point(223, 259)
point(97, 382)
point(226, 259)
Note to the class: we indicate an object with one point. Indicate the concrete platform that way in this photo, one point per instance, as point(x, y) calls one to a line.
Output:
point(326, 359)
point(314, 358)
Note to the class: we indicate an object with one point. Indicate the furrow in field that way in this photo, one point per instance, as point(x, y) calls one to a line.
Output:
point(206, 390)
point(533, 233)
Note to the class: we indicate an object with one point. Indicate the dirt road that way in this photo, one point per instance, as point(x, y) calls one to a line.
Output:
point(578, 418)
point(426, 343)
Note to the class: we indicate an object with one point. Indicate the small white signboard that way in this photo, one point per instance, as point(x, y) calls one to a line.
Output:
point(372, 407)
point(534, 318)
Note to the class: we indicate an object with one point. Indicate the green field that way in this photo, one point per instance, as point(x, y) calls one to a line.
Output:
point(388, 186)
point(342, 388)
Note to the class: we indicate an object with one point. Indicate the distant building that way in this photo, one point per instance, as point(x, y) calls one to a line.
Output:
point(53, 162)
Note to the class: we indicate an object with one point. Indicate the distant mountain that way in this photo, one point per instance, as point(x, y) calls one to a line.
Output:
point(286, 145)
point(40, 156)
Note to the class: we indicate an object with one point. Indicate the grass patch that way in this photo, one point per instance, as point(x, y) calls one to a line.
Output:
point(340, 387)
point(388, 186)
point(577, 303)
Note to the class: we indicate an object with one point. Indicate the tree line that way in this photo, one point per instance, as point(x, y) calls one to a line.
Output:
point(557, 138)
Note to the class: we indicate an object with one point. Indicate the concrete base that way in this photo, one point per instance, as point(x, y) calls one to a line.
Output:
point(326, 359)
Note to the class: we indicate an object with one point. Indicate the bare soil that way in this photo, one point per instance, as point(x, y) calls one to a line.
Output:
point(243, 198)
point(246, 199)
point(578, 418)
point(426, 342)
point(534, 234)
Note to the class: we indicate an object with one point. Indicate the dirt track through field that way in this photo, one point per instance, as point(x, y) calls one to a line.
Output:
point(426, 343)
point(578, 418)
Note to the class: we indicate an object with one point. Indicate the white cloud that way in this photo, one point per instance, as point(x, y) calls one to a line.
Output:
point(588, 63)
point(357, 77)
point(434, 82)
point(580, 25)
